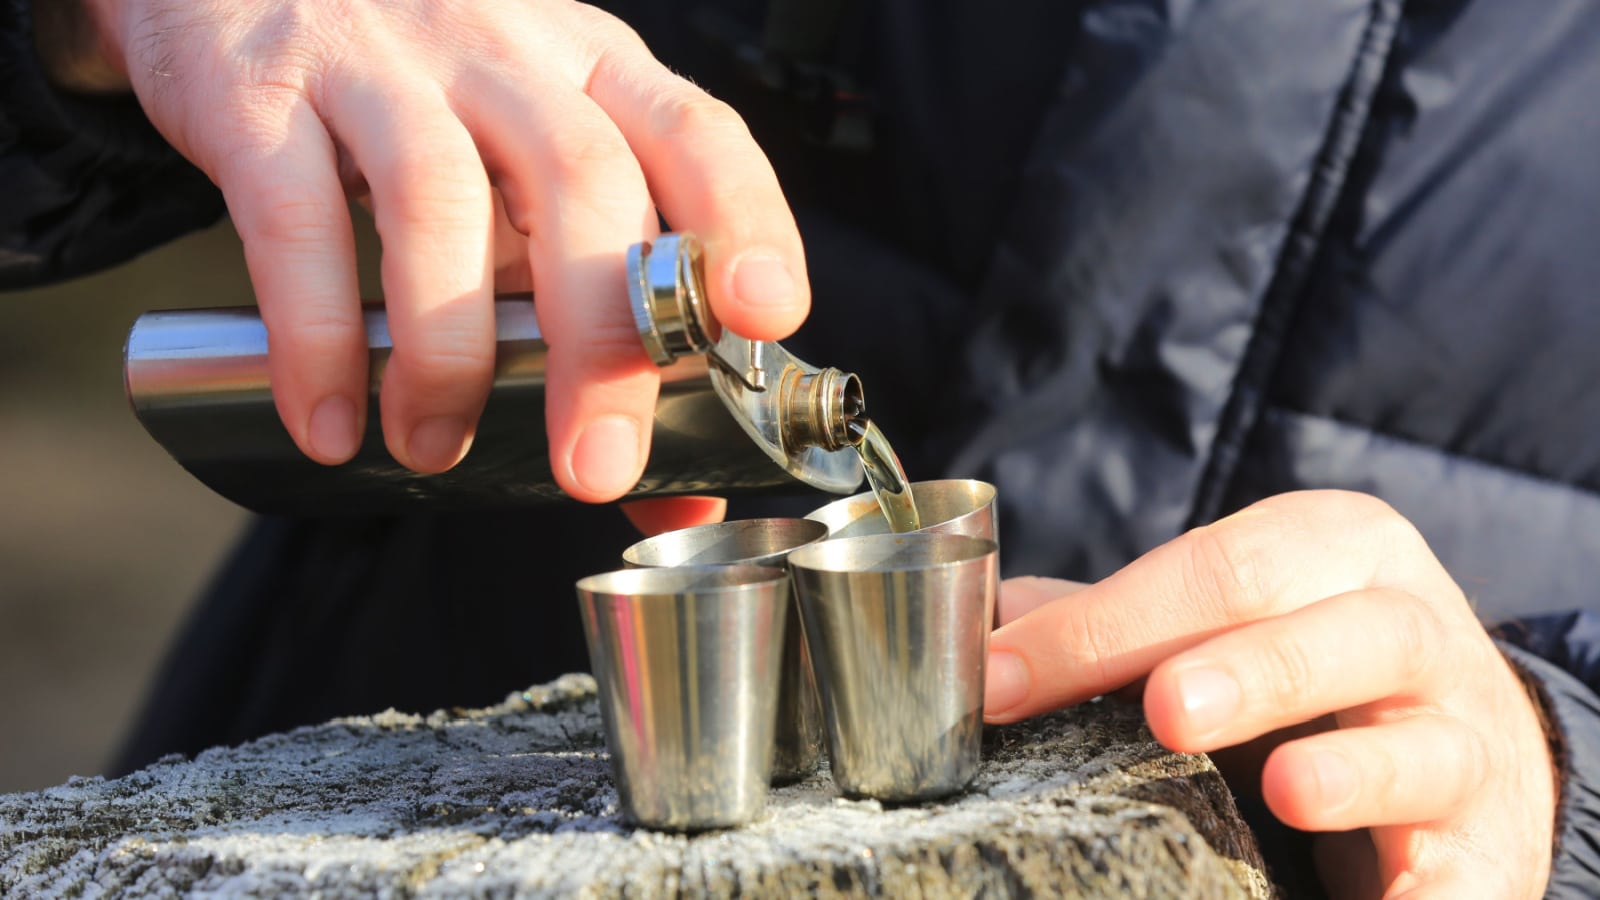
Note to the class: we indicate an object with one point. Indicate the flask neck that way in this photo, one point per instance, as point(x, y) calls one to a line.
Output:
point(805, 406)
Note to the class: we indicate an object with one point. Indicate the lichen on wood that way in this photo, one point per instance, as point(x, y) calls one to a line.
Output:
point(517, 800)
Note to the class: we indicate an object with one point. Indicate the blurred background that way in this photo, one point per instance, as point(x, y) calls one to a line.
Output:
point(105, 542)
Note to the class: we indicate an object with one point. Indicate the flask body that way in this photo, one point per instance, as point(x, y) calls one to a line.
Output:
point(198, 382)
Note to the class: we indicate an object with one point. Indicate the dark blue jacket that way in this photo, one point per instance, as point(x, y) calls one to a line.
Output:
point(1138, 263)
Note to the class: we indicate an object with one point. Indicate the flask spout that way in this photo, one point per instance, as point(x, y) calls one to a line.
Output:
point(817, 408)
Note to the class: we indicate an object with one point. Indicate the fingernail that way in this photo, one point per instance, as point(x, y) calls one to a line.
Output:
point(1336, 779)
point(763, 279)
point(1006, 683)
point(606, 455)
point(1210, 699)
point(332, 429)
point(437, 443)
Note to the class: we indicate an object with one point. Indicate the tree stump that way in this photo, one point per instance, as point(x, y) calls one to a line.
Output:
point(517, 800)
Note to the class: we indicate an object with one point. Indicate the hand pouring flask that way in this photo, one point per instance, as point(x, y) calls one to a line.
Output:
point(734, 415)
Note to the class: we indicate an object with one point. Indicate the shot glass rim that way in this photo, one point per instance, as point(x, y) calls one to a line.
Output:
point(816, 514)
point(728, 525)
point(981, 548)
point(735, 579)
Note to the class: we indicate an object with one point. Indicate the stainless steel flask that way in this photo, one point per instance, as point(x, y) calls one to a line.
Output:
point(734, 415)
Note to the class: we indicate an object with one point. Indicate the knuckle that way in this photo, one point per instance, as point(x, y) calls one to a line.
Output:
point(318, 335)
point(1379, 777)
point(1476, 764)
point(607, 345)
point(1414, 629)
point(448, 364)
point(1090, 653)
point(410, 212)
point(1224, 568)
point(1285, 676)
point(287, 216)
point(745, 205)
point(1385, 526)
point(235, 147)
point(431, 190)
point(1340, 506)
point(604, 31)
point(693, 115)
point(257, 121)
point(281, 72)
point(281, 50)
point(1391, 528)
point(1354, 504)
point(1333, 511)
point(586, 156)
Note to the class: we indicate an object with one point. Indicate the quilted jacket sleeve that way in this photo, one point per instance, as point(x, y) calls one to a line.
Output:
point(84, 183)
point(1561, 653)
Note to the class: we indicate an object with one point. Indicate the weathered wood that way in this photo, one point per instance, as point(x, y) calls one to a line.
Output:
point(516, 800)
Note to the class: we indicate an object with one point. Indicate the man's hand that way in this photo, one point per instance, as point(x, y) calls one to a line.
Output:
point(432, 105)
point(1324, 608)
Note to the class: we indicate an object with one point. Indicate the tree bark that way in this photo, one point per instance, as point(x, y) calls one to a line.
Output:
point(517, 800)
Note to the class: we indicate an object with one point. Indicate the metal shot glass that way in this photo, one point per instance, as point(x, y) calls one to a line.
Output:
point(761, 542)
point(898, 627)
point(687, 664)
point(948, 506)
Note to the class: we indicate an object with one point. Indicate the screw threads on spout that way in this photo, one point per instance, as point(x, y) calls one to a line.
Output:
point(816, 409)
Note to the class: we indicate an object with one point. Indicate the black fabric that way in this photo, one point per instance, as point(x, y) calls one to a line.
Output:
point(1139, 263)
point(315, 619)
point(84, 183)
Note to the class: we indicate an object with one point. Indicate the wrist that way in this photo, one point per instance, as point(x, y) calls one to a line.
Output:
point(1569, 708)
point(73, 39)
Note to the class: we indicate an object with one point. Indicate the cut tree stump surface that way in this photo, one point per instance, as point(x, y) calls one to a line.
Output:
point(517, 800)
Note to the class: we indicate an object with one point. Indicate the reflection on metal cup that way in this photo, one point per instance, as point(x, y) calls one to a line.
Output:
point(687, 665)
point(762, 542)
point(898, 627)
point(797, 748)
point(947, 506)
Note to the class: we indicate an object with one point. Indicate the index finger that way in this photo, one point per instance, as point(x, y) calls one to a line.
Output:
point(283, 191)
point(708, 175)
point(1274, 557)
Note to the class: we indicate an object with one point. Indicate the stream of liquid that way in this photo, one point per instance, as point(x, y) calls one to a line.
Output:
point(885, 475)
